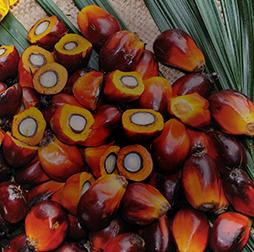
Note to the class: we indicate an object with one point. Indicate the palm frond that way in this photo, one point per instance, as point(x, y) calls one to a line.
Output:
point(225, 34)
point(52, 9)
point(13, 32)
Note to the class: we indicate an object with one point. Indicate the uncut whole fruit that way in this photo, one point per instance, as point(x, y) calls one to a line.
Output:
point(118, 159)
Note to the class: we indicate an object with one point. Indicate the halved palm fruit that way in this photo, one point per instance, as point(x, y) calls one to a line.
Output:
point(9, 60)
point(28, 126)
point(191, 109)
point(108, 190)
point(31, 60)
point(74, 187)
point(97, 25)
point(87, 89)
point(50, 79)
point(17, 153)
point(190, 230)
point(72, 51)
point(140, 124)
point(177, 49)
point(202, 184)
point(156, 95)
point(72, 124)
point(102, 159)
point(142, 204)
point(123, 86)
point(230, 232)
point(233, 112)
point(135, 162)
point(46, 32)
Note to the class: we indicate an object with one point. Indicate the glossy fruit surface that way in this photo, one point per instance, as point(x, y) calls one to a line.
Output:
point(239, 189)
point(126, 242)
point(121, 51)
point(52, 221)
point(97, 25)
point(177, 49)
point(230, 232)
point(233, 112)
point(194, 236)
point(108, 190)
point(171, 147)
point(157, 236)
point(13, 203)
point(142, 204)
point(202, 184)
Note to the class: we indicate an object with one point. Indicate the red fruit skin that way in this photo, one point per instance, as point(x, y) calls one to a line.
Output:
point(100, 239)
point(157, 236)
point(121, 51)
point(177, 49)
point(190, 230)
point(202, 142)
point(18, 243)
point(73, 78)
point(101, 200)
point(127, 242)
point(230, 232)
point(71, 247)
point(9, 64)
point(193, 83)
point(239, 190)
point(3, 87)
point(45, 190)
point(10, 100)
point(97, 25)
point(107, 118)
point(232, 152)
point(147, 66)
point(13, 203)
point(58, 101)
point(202, 184)
point(52, 221)
point(75, 231)
point(30, 97)
point(142, 204)
point(13, 152)
point(32, 174)
point(171, 147)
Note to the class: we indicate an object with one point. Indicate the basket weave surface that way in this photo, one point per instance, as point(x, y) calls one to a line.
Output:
point(133, 12)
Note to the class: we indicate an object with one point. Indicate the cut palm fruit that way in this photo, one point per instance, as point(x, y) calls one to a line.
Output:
point(72, 124)
point(135, 162)
point(73, 51)
point(32, 59)
point(29, 126)
point(47, 32)
point(191, 109)
point(102, 160)
point(123, 86)
point(142, 123)
point(50, 79)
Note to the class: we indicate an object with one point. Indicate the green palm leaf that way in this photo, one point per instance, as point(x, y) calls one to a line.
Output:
point(12, 32)
point(225, 35)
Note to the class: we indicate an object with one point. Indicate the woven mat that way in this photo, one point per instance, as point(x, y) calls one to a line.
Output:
point(133, 12)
